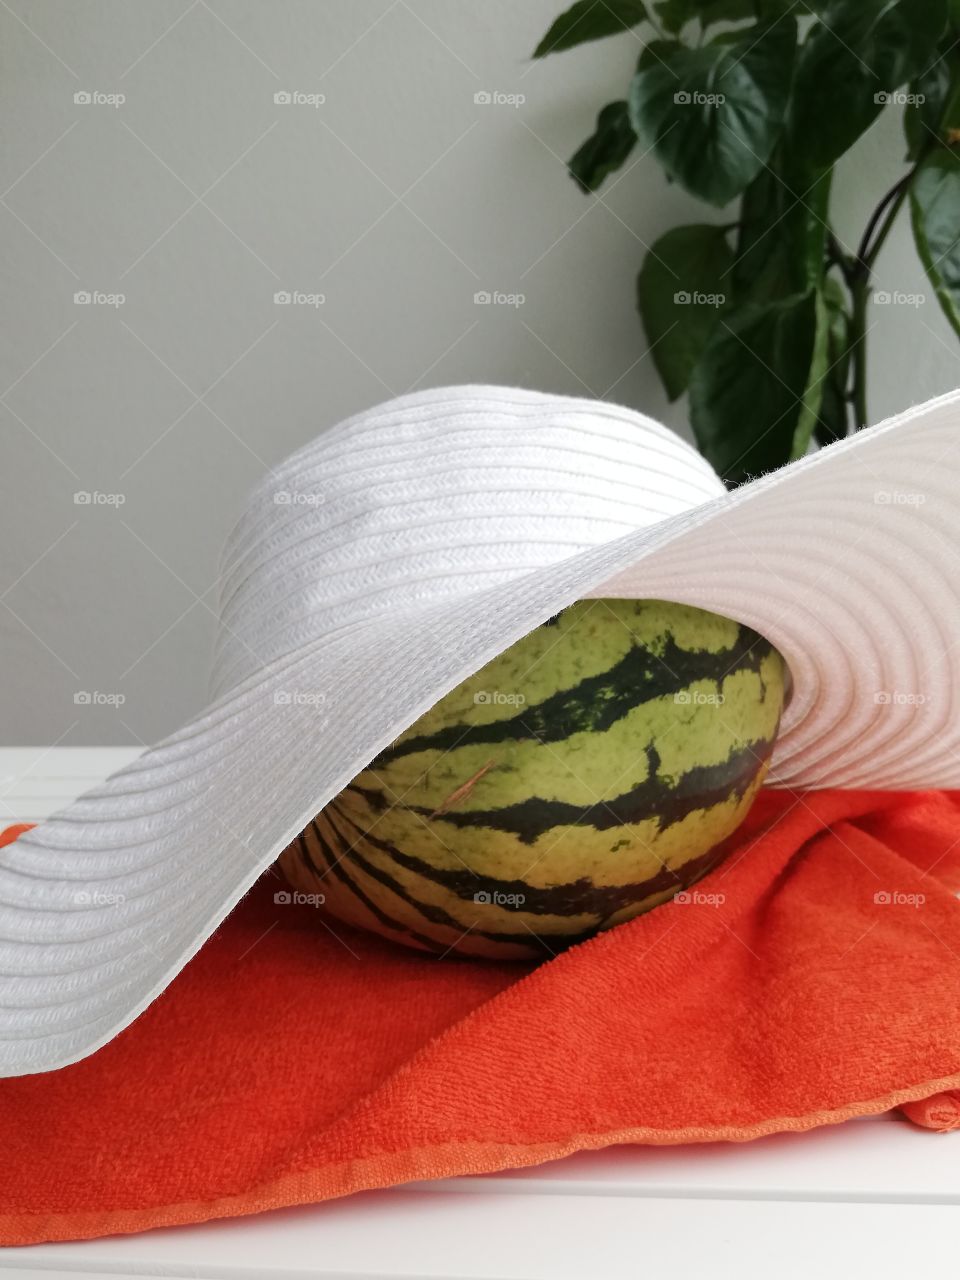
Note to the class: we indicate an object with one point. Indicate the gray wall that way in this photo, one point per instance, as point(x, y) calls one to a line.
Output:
point(198, 198)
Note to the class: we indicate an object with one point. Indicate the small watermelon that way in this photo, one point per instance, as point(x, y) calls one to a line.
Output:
point(588, 773)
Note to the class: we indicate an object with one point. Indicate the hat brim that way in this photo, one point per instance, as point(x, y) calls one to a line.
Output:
point(845, 560)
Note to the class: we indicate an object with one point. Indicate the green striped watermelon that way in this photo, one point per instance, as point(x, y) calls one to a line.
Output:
point(586, 774)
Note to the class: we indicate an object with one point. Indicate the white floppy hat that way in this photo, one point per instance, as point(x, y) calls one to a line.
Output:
point(398, 553)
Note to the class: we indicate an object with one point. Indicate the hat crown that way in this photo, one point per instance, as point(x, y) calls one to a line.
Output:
point(433, 496)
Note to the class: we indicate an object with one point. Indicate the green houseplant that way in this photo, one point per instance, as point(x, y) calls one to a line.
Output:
point(763, 319)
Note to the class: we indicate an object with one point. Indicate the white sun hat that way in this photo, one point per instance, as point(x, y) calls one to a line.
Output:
point(382, 564)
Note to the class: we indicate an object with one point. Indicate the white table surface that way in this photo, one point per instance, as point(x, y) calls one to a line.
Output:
point(875, 1198)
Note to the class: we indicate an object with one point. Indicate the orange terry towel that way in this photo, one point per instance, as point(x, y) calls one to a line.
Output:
point(813, 977)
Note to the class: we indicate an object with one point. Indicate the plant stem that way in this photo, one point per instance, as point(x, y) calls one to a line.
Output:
point(860, 293)
point(859, 279)
point(891, 202)
point(836, 255)
point(894, 198)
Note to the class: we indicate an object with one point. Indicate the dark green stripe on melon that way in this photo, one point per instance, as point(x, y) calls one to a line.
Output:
point(575, 898)
point(334, 868)
point(667, 800)
point(598, 701)
point(429, 910)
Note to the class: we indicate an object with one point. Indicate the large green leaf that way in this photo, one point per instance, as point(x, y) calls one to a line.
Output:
point(934, 205)
point(859, 52)
point(782, 235)
point(680, 293)
point(607, 148)
point(590, 20)
point(750, 389)
point(713, 113)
